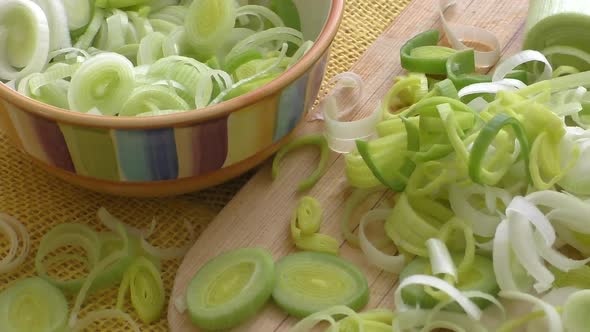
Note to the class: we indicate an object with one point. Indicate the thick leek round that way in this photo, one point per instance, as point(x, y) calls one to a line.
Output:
point(309, 282)
point(230, 288)
point(33, 305)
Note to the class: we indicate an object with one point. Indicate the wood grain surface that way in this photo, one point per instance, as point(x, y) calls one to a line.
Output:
point(259, 214)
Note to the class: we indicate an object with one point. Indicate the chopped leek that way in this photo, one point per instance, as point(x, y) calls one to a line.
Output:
point(305, 225)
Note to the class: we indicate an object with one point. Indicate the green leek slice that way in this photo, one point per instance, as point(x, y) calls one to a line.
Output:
point(230, 288)
point(308, 282)
point(317, 140)
point(33, 305)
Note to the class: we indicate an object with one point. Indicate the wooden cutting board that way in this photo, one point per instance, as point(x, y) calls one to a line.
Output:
point(259, 214)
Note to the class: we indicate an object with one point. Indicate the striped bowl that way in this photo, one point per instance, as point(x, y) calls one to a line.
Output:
point(179, 153)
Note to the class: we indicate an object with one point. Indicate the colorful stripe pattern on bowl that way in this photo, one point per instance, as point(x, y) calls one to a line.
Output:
point(158, 154)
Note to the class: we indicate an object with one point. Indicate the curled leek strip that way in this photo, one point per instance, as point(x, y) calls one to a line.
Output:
point(104, 81)
point(98, 269)
point(13, 229)
point(61, 236)
point(317, 140)
point(353, 201)
point(485, 138)
point(33, 304)
point(470, 308)
point(484, 218)
point(144, 282)
point(307, 218)
point(440, 259)
point(389, 263)
point(456, 34)
point(23, 20)
point(305, 225)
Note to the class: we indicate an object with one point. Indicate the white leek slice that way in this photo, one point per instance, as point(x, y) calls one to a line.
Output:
point(86, 39)
point(105, 81)
point(440, 259)
point(502, 258)
point(116, 28)
point(520, 58)
point(389, 263)
point(555, 257)
point(483, 219)
point(566, 209)
point(470, 308)
point(524, 208)
point(79, 13)
point(22, 20)
point(575, 179)
point(59, 35)
point(523, 244)
point(457, 34)
point(308, 323)
point(552, 317)
point(18, 251)
point(344, 98)
point(492, 87)
point(150, 48)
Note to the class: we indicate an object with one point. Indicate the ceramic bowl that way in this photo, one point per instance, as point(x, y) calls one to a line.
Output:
point(179, 153)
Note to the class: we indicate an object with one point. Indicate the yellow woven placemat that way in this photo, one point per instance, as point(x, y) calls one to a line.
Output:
point(41, 201)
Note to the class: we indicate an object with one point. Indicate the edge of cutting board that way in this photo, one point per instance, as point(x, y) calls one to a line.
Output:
point(259, 214)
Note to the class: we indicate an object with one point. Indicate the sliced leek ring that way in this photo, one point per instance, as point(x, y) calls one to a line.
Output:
point(309, 282)
point(208, 22)
point(33, 304)
point(230, 288)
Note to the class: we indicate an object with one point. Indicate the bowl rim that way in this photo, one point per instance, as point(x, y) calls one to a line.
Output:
point(321, 45)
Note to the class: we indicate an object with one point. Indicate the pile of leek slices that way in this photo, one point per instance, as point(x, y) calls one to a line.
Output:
point(145, 57)
point(119, 256)
point(490, 217)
